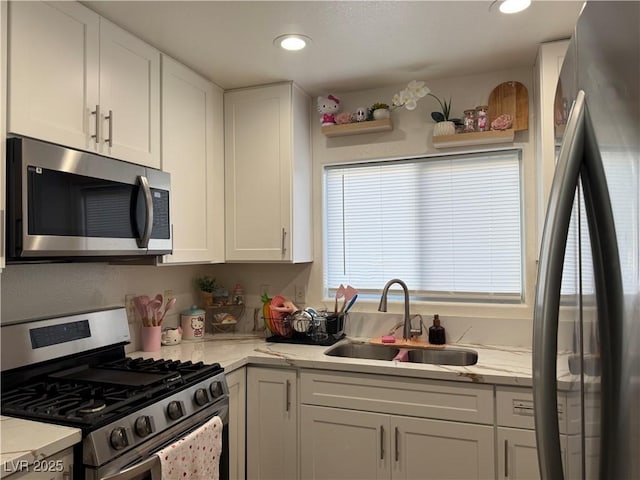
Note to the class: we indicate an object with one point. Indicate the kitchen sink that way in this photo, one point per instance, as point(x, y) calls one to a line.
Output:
point(436, 356)
point(362, 350)
point(449, 356)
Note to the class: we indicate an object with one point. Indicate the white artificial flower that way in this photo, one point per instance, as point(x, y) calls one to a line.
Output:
point(409, 96)
point(411, 104)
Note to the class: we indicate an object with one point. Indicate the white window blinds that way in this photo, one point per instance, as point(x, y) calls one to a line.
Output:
point(448, 226)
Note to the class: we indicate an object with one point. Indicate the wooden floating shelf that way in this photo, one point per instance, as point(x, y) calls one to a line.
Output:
point(474, 138)
point(372, 126)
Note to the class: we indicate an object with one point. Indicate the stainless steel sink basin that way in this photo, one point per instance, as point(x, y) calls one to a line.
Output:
point(362, 350)
point(448, 356)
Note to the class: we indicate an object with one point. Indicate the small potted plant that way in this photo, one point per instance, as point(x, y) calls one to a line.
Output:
point(379, 111)
point(206, 284)
point(444, 125)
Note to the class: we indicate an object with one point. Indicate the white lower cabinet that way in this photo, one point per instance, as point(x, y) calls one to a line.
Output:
point(516, 437)
point(272, 424)
point(237, 383)
point(338, 441)
point(365, 445)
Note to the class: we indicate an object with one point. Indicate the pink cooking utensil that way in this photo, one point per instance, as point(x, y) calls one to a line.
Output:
point(339, 295)
point(349, 293)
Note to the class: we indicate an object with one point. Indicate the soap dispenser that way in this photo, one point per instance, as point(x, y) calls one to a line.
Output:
point(436, 332)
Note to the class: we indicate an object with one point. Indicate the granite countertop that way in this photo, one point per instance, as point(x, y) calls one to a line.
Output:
point(24, 440)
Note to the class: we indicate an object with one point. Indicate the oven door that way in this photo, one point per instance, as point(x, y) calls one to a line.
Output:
point(144, 464)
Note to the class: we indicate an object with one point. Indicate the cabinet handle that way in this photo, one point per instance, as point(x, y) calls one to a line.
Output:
point(397, 437)
point(284, 235)
point(96, 136)
point(381, 442)
point(110, 139)
point(506, 459)
point(288, 395)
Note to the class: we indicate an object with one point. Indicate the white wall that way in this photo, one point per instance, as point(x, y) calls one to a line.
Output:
point(36, 290)
point(411, 136)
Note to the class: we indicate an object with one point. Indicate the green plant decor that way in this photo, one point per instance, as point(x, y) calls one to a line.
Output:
point(206, 283)
point(442, 116)
point(374, 107)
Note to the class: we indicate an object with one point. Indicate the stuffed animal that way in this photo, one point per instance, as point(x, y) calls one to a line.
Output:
point(328, 106)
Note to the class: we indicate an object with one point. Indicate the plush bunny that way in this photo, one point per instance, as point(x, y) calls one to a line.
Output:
point(328, 106)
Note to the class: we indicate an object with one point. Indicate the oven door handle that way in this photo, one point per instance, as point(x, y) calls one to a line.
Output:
point(149, 465)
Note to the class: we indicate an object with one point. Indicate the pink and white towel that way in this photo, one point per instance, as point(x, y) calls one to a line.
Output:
point(196, 456)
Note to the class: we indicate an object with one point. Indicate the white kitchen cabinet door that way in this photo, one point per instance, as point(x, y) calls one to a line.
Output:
point(193, 153)
point(547, 71)
point(268, 174)
point(518, 454)
point(53, 72)
point(272, 424)
point(129, 97)
point(424, 449)
point(237, 383)
point(340, 444)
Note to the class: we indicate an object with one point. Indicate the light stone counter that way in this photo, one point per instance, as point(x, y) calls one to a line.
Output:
point(496, 364)
point(26, 440)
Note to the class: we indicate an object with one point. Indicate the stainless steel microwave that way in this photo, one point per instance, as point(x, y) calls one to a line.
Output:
point(69, 204)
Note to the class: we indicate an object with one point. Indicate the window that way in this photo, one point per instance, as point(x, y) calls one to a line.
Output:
point(450, 227)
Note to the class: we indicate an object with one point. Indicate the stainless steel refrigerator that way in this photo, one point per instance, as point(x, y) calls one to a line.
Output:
point(589, 267)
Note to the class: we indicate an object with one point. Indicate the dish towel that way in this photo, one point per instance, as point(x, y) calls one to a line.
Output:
point(196, 456)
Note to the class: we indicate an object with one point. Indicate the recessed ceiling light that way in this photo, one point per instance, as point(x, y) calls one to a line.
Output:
point(292, 41)
point(514, 6)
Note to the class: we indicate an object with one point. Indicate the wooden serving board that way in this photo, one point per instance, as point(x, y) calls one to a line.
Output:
point(511, 98)
point(400, 343)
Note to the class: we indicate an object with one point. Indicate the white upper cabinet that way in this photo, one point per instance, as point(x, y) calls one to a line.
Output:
point(129, 97)
point(193, 153)
point(53, 72)
point(548, 66)
point(268, 174)
point(69, 68)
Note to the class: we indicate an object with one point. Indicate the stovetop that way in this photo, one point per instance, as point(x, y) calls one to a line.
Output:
point(89, 397)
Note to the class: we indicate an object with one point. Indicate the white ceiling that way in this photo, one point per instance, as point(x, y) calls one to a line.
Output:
point(356, 44)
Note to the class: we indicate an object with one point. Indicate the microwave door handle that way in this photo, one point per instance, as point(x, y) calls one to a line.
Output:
point(547, 303)
point(143, 241)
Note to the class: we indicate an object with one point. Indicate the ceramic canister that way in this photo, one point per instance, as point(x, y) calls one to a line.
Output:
point(192, 322)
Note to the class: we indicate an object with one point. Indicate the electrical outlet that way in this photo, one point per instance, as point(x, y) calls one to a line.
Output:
point(264, 289)
point(300, 294)
point(130, 307)
point(167, 295)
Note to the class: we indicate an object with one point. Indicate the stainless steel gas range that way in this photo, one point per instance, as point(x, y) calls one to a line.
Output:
point(72, 370)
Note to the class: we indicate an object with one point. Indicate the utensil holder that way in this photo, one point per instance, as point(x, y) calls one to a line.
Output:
point(335, 323)
point(151, 337)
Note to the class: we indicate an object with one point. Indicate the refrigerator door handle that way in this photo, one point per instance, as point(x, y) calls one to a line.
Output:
point(547, 303)
point(607, 274)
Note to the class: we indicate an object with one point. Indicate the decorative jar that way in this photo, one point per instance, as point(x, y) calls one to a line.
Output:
point(482, 118)
point(469, 121)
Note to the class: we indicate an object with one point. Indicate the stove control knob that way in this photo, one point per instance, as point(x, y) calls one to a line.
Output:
point(118, 438)
point(143, 426)
point(216, 389)
point(174, 410)
point(201, 397)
